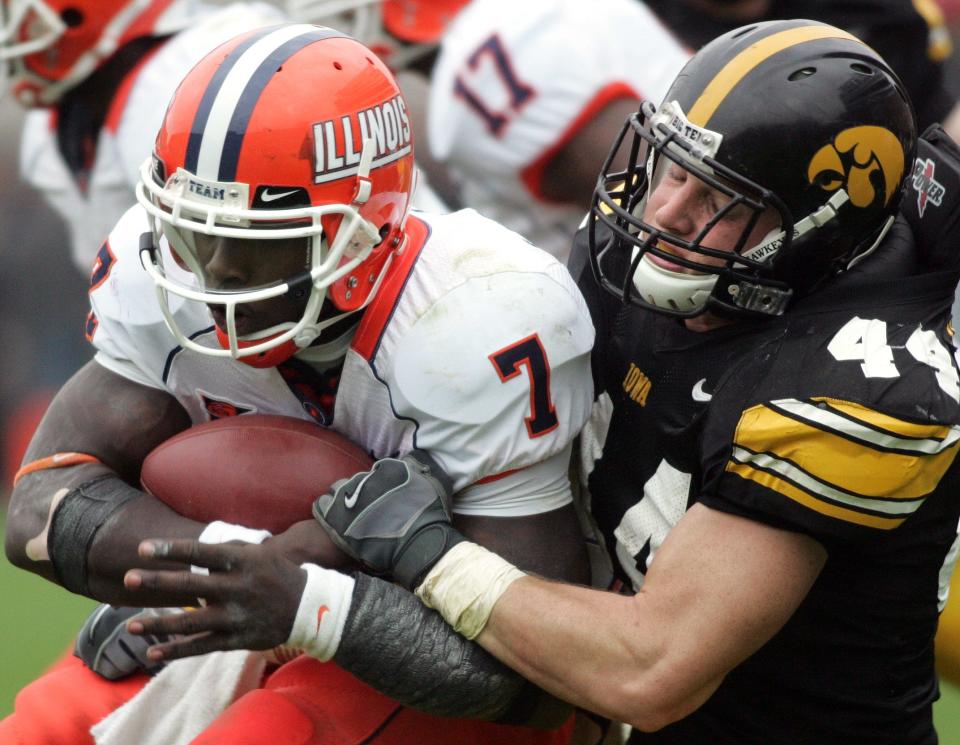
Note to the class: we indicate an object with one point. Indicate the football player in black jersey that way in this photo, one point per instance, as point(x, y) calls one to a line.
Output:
point(778, 418)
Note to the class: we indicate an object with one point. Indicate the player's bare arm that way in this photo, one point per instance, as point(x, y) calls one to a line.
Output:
point(570, 176)
point(100, 414)
point(708, 603)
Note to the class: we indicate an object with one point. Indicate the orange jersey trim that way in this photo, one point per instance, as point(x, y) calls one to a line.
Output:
point(57, 460)
point(497, 476)
point(377, 315)
point(532, 174)
point(119, 104)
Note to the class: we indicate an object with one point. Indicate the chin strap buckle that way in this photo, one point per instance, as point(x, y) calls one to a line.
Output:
point(759, 298)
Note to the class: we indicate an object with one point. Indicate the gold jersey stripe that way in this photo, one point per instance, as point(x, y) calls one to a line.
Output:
point(893, 425)
point(853, 466)
point(737, 68)
point(790, 491)
point(803, 480)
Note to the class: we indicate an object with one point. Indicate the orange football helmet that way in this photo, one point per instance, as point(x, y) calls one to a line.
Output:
point(284, 133)
point(49, 46)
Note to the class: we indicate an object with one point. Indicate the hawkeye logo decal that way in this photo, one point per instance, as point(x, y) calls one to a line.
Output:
point(867, 161)
point(927, 187)
point(339, 142)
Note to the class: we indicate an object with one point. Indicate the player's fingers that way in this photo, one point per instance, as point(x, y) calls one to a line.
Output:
point(180, 584)
point(193, 646)
point(220, 557)
point(188, 623)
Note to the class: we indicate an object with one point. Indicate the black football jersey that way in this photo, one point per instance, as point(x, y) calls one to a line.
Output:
point(841, 420)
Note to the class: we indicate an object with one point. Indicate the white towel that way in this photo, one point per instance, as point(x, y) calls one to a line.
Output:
point(182, 700)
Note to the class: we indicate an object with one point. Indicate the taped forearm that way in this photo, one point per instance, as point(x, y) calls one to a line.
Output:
point(94, 532)
point(406, 651)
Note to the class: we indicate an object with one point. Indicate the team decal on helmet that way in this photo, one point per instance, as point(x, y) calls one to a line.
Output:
point(868, 150)
point(337, 146)
point(702, 141)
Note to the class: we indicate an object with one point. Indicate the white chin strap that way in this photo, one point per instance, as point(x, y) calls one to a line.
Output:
point(671, 290)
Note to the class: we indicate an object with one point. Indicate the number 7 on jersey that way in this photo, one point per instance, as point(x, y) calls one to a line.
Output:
point(530, 354)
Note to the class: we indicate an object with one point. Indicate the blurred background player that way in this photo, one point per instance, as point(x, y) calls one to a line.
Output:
point(97, 75)
point(522, 97)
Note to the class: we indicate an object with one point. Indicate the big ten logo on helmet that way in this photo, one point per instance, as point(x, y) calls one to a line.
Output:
point(855, 159)
point(701, 140)
point(338, 142)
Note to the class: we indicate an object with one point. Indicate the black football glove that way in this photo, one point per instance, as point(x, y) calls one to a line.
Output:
point(106, 647)
point(394, 519)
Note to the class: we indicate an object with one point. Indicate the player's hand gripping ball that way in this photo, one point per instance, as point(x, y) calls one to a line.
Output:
point(258, 470)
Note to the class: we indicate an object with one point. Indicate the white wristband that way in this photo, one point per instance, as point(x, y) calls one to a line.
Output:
point(221, 532)
point(465, 585)
point(322, 614)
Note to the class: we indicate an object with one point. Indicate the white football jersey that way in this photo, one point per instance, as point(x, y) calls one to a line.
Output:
point(476, 349)
point(129, 132)
point(515, 81)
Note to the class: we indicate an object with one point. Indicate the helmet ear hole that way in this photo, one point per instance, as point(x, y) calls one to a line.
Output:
point(72, 17)
point(802, 73)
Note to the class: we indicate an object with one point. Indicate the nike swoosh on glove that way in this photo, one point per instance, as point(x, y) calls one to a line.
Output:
point(395, 518)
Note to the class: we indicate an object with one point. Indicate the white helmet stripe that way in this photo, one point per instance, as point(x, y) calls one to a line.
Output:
point(226, 106)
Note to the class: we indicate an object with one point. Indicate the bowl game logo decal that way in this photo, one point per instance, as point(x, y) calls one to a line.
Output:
point(928, 189)
point(339, 142)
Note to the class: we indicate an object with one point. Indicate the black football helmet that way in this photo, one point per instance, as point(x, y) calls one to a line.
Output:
point(793, 116)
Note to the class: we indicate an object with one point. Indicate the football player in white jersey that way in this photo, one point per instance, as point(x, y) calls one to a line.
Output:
point(272, 266)
point(96, 74)
point(526, 96)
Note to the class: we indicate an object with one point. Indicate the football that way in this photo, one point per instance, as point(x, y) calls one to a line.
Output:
point(258, 470)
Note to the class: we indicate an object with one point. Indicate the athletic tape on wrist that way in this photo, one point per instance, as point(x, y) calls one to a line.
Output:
point(78, 518)
point(324, 606)
point(465, 585)
point(222, 532)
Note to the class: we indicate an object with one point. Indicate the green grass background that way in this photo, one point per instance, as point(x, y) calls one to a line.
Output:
point(38, 621)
